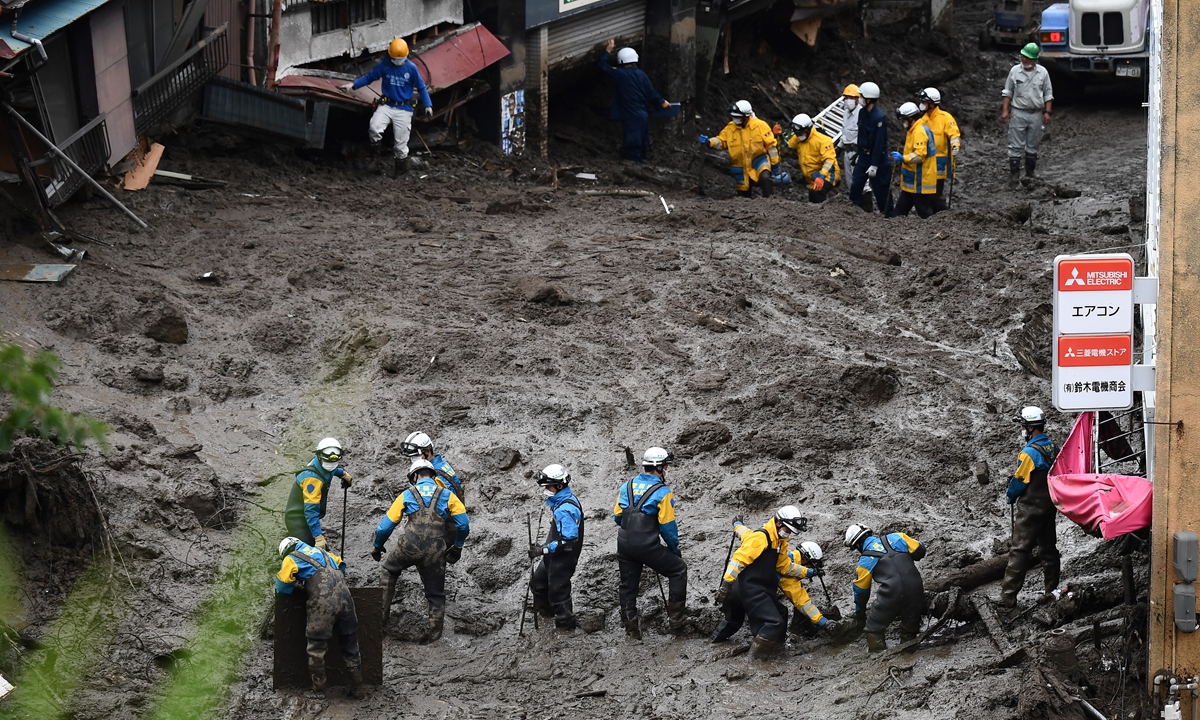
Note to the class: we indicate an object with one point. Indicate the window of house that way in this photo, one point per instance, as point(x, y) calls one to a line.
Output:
point(341, 14)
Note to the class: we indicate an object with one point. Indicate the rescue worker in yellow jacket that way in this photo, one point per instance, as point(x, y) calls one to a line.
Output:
point(753, 149)
point(946, 136)
point(805, 563)
point(918, 169)
point(748, 589)
point(817, 158)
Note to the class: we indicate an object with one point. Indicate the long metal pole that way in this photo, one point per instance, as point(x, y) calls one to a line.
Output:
point(76, 168)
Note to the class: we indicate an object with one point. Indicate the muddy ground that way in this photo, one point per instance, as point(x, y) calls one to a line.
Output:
point(788, 353)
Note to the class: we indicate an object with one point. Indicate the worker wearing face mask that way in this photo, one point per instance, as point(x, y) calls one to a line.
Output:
point(918, 164)
point(814, 152)
point(1035, 515)
point(753, 149)
point(551, 583)
point(310, 493)
point(1028, 99)
point(946, 136)
point(401, 81)
point(874, 163)
point(851, 106)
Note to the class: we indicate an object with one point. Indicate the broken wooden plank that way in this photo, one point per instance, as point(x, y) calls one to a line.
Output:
point(191, 182)
point(616, 192)
point(1010, 655)
point(139, 177)
point(29, 272)
point(971, 576)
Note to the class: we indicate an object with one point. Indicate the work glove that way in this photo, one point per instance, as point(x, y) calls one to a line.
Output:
point(832, 627)
point(1016, 488)
point(896, 157)
point(776, 129)
point(347, 87)
point(818, 182)
point(954, 149)
point(723, 592)
point(428, 112)
point(860, 619)
point(453, 554)
point(319, 541)
point(817, 571)
point(377, 554)
point(737, 520)
point(783, 178)
point(535, 550)
point(703, 139)
point(347, 478)
point(872, 170)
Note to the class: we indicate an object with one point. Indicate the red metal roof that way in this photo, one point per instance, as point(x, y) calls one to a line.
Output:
point(446, 61)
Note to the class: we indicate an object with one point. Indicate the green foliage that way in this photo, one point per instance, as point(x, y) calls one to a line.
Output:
point(28, 383)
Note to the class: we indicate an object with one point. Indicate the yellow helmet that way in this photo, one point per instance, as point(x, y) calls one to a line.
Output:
point(398, 50)
point(851, 91)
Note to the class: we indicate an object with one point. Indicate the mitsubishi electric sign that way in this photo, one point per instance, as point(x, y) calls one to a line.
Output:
point(1093, 332)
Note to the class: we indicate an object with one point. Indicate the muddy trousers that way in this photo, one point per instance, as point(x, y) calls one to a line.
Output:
point(767, 616)
point(925, 204)
point(881, 185)
point(637, 138)
point(317, 647)
point(551, 587)
point(1034, 527)
point(433, 578)
point(1024, 132)
point(401, 121)
point(659, 559)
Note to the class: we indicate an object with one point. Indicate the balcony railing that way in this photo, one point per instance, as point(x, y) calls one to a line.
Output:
point(156, 98)
point(89, 149)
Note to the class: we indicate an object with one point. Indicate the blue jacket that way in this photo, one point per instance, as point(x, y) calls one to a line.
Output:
point(313, 491)
point(444, 470)
point(897, 542)
point(291, 571)
point(448, 510)
point(661, 504)
point(635, 93)
point(873, 137)
point(398, 83)
point(566, 516)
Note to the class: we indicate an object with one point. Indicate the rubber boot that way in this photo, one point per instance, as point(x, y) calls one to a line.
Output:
point(1030, 165)
point(437, 619)
point(762, 649)
point(318, 682)
point(1014, 172)
point(875, 641)
point(400, 167)
point(722, 634)
point(354, 683)
point(676, 616)
point(629, 617)
point(389, 593)
point(1052, 571)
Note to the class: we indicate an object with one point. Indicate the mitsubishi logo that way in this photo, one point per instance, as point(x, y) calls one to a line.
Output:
point(1074, 279)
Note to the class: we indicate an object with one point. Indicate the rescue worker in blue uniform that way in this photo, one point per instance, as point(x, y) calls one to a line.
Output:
point(1033, 525)
point(396, 104)
point(634, 96)
point(428, 507)
point(888, 561)
point(749, 588)
point(419, 444)
point(874, 162)
point(328, 604)
point(310, 493)
point(645, 510)
point(551, 582)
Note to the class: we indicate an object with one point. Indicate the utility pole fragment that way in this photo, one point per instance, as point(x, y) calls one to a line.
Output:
point(1176, 466)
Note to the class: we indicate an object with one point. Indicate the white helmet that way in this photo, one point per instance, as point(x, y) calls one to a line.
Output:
point(790, 520)
point(802, 124)
point(657, 457)
point(741, 110)
point(418, 465)
point(626, 55)
point(1032, 415)
point(930, 95)
point(812, 550)
point(554, 475)
point(908, 110)
point(329, 449)
point(415, 443)
point(869, 90)
point(286, 546)
point(856, 534)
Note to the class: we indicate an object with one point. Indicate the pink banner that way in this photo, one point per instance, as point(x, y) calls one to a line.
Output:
point(1112, 504)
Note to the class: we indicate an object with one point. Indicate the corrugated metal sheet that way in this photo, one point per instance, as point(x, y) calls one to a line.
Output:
point(42, 19)
point(233, 12)
point(578, 35)
point(239, 103)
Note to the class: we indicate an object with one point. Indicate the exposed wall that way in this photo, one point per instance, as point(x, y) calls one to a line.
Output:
point(111, 58)
point(297, 44)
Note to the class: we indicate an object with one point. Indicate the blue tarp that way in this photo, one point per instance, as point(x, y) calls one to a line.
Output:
point(40, 18)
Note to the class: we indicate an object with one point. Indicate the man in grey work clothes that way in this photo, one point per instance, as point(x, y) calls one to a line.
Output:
point(1028, 96)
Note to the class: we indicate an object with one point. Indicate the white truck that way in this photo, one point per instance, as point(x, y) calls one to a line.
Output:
point(1097, 37)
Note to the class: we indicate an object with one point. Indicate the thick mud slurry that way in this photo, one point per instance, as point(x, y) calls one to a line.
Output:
point(788, 353)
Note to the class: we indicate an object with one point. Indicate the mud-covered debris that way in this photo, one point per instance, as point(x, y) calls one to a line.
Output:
point(871, 384)
point(712, 322)
point(536, 290)
point(1031, 343)
point(1119, 229)
point(981, 472)
point(590, 621)
point(148, 373)
point(1019, 213)
point(506, 458)
point(183, 451)
point(709, 380)
point(1065, 192)
point(503, 207)
point(167, 325)
point(703, 436)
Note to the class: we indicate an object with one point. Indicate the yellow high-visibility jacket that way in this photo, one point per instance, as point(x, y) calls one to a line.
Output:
point(946, 135)
point(816, 155)
point(918, 169)
point(752, 149)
